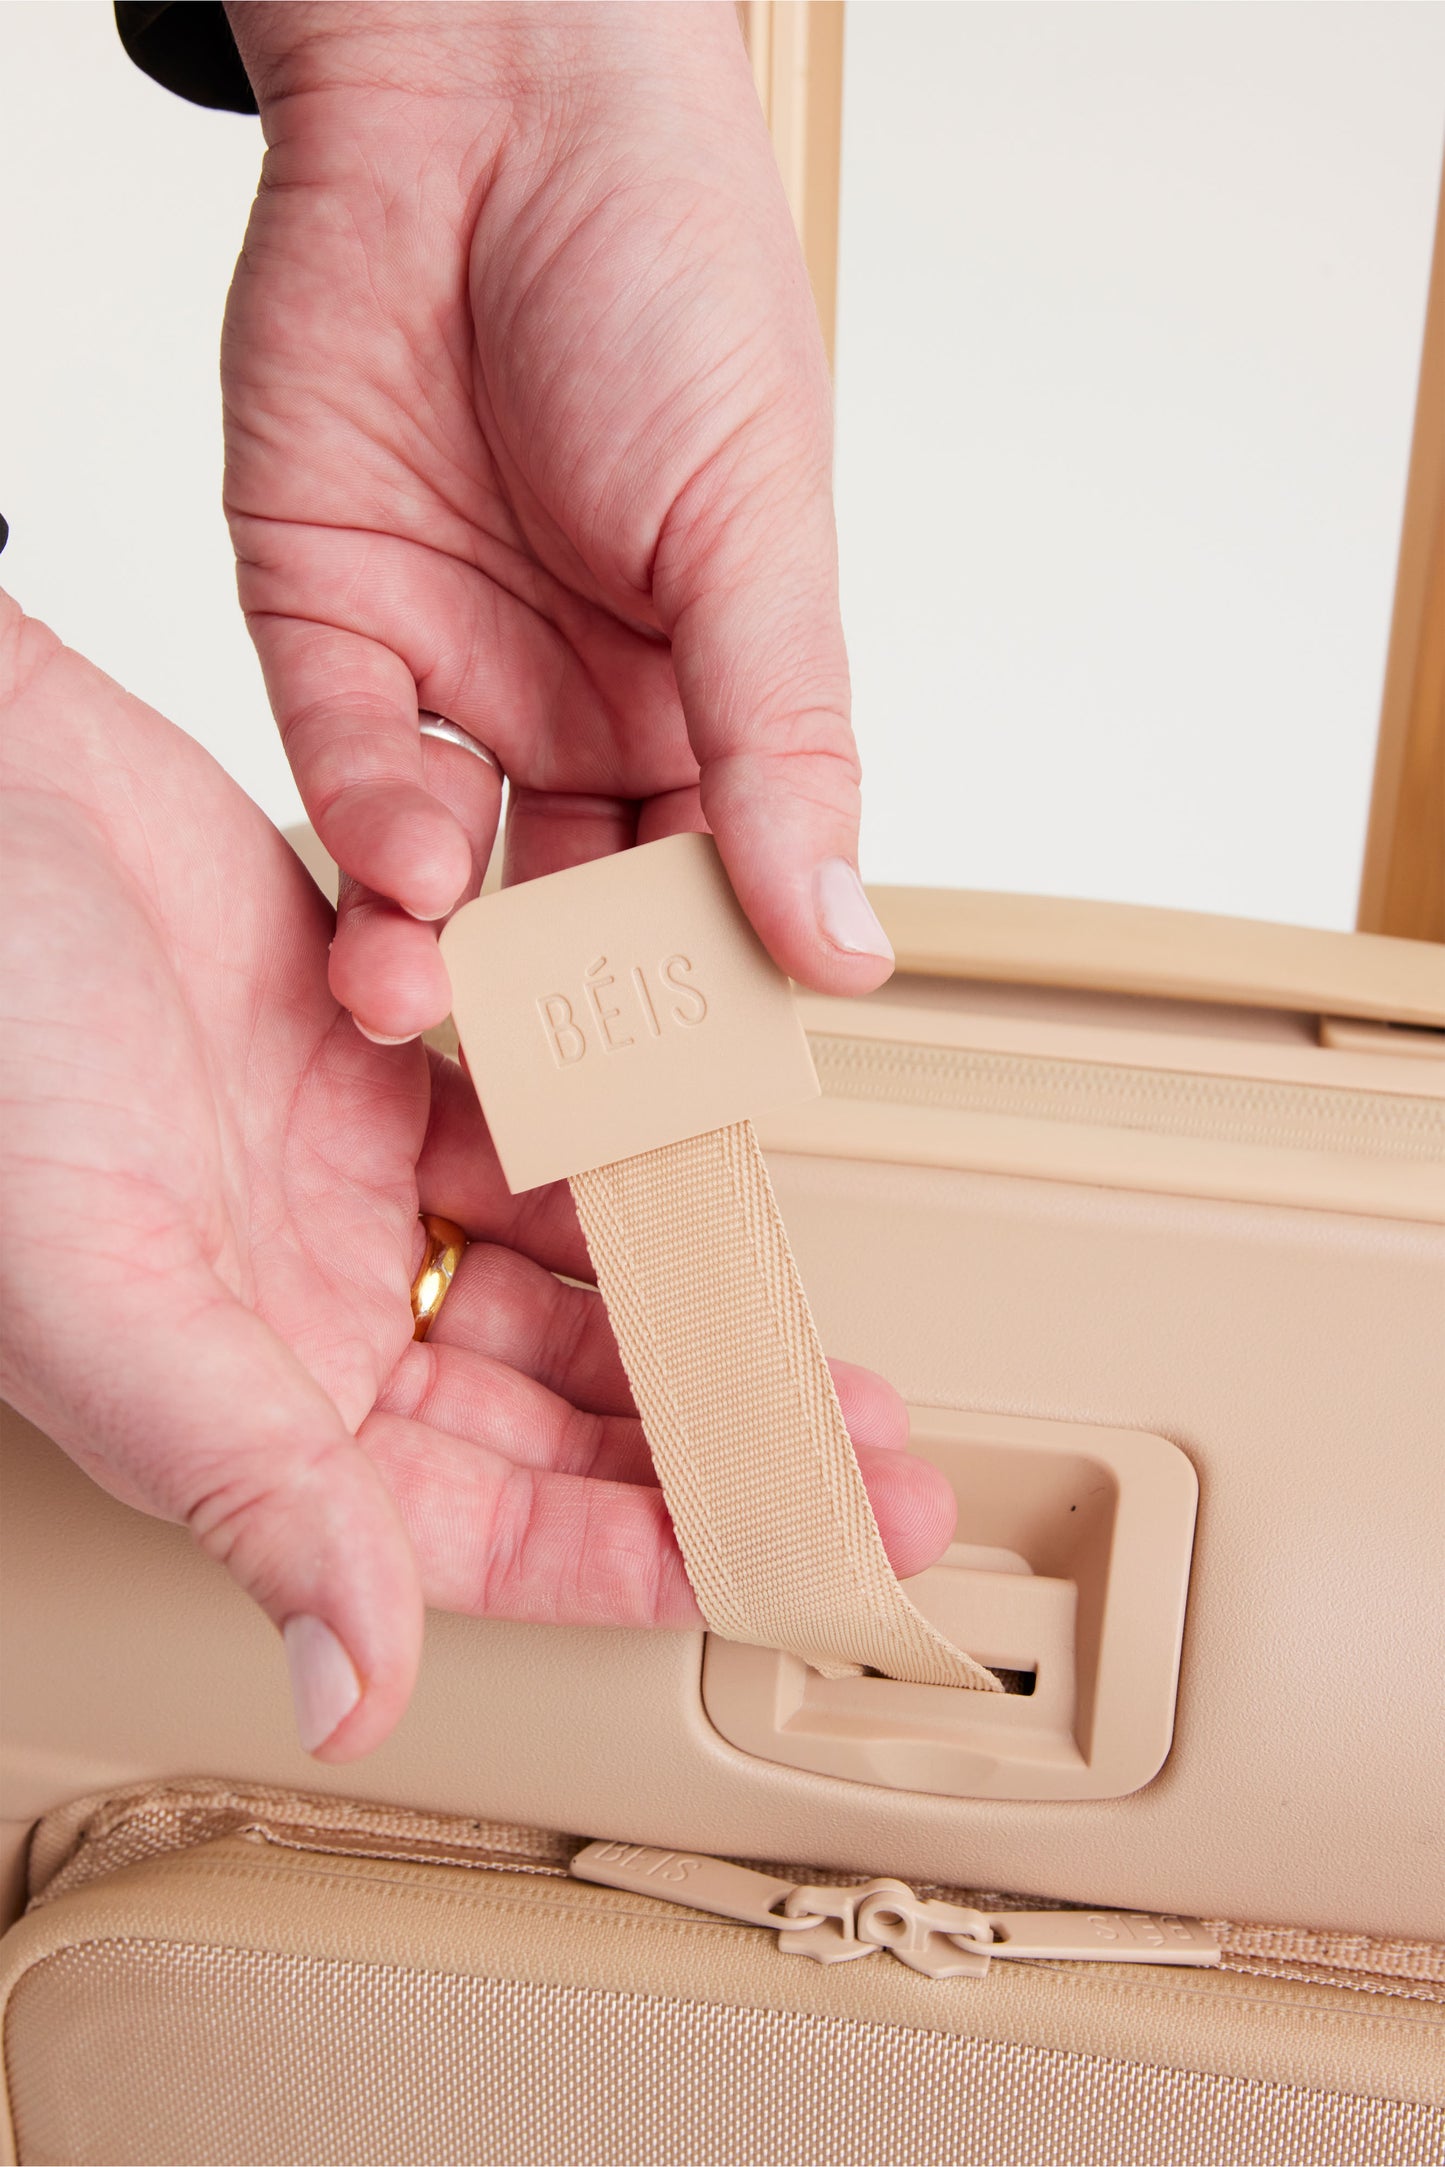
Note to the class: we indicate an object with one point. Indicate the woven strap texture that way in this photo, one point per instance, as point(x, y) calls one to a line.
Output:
point(738, 1404)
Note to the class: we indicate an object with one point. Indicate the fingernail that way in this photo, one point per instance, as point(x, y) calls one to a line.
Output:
point(324, 1687)
point(845, 914)
point(377, 1038)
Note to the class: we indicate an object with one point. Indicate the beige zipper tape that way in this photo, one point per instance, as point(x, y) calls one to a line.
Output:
point(1216, 1109)
point(835, 1925)
point(622, 1023)
point(87, 1838)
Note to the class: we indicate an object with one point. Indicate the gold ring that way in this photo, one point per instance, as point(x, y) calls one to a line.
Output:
point(445, 1242)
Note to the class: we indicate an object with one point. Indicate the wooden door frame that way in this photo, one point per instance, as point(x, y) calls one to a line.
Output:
point(796, 48)
point(1402, 890)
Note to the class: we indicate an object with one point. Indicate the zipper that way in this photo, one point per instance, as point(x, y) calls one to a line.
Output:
point(838, 1924)
point(1222, 1109)
point(80, 1844)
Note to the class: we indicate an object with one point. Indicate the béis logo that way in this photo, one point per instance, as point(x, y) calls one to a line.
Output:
point(641, 1007)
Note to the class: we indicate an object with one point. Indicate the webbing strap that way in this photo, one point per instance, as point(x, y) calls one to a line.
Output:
point(738, 1406)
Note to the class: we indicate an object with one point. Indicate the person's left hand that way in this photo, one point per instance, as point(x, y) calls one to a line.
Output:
point(528, 419)
point(211, 1188)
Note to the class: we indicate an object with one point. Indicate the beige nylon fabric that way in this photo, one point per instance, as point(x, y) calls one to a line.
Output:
point(751, 1449)
point(144, 2052)
point(83, 1841)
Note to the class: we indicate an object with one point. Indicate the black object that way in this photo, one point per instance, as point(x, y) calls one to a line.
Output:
point(187, 47)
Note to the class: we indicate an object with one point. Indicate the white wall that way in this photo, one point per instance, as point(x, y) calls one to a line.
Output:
point(1130, 315)
point(124, 208)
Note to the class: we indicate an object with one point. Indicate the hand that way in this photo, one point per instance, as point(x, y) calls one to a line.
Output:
point(211, 1191)
point(528, 420)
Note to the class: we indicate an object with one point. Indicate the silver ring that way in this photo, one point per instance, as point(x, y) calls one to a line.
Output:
point(452, 733)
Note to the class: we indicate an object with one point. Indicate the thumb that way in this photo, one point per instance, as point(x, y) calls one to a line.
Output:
point(746, 584)
point(243, 1445)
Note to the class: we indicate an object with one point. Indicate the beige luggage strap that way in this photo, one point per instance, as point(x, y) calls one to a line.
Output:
point(740, 1411)
point(621, 1021)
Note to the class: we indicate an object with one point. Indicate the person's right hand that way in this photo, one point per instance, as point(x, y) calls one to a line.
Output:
point(211, 1186)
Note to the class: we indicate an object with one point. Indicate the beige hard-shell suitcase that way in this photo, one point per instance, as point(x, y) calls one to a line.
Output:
point(1105, 1191)
point(1145, 1214)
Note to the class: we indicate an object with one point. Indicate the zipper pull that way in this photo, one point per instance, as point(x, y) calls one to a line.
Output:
point(835, 1925)
point(1108, 1937)
point(944, 1941)
point(685, 1877)
point(832, 1925)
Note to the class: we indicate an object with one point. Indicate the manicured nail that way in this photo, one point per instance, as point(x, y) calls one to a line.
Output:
point(324, 1687)
point(377, 1038)
point(845, 913)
